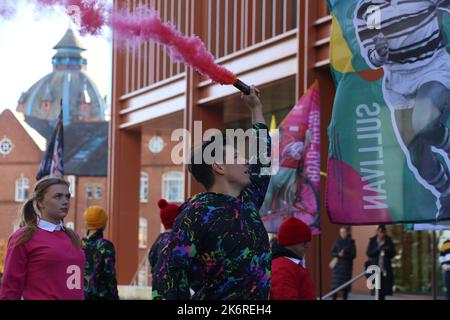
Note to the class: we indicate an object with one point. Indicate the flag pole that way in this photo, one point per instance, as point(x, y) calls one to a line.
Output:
point(61, 119)
point(320, 266)
point(323, 174)
point(52, 161)
point(61, 106)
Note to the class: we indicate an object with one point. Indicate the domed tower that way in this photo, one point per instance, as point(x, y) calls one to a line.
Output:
point(69, 83)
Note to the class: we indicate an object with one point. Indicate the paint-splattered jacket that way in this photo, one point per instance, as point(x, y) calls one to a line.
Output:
point(157, 247)
point(99, 272)
point(219, 246)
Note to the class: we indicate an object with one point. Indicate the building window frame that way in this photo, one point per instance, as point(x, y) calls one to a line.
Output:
point(22, 189)
point(143, 193)
point(173, 186)
point(89, 192)
point(98, 192)
point(143, 233)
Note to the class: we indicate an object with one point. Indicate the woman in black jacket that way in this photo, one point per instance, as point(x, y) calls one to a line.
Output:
point(380, 251)
point(344, 250)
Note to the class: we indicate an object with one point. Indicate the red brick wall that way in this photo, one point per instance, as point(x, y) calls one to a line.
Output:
point(155, 165)
point(79, 203)
point(361, 234)
point(23, 161)
point(24, 150)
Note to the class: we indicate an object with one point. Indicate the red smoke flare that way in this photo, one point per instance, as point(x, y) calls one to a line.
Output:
point(145, 24)
point(93, 13)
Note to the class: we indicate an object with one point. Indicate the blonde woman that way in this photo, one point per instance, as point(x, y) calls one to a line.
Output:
point(44, 260)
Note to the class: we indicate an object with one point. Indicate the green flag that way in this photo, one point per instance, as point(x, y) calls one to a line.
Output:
point(389, 137)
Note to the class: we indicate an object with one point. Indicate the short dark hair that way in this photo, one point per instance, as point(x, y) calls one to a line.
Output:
point(203, 172)
point(382, 228)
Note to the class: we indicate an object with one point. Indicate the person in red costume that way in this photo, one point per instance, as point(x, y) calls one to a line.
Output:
point(290, 278)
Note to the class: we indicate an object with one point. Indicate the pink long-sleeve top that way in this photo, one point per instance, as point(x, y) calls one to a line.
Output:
point(46, 267)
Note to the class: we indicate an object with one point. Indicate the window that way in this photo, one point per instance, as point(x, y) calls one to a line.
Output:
point(85, 110)
point(143, 229)
point(98, 192)
point(46, 106)
point(89, 192)
point(22, 189)
point(5, 146)
point(72, 185)
point(70, 225)
point(144, 187)
point(173, 186)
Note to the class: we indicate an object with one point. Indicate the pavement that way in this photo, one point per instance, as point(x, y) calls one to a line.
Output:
point(396, 296)
point(144, 293)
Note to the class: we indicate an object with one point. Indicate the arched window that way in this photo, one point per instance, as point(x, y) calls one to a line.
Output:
point(143, 194)
point(22, 189)
point(173, 186)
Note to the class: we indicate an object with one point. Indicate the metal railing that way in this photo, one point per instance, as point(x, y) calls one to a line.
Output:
point(135, 280)
point(374, 273)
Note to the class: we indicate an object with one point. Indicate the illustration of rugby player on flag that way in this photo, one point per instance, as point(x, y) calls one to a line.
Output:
point(407, 40)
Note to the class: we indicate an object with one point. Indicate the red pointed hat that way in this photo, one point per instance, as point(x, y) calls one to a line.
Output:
point(293, 231)
point(168, 213)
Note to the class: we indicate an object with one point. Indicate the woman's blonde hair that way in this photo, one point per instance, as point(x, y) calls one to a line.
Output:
point(30, 214)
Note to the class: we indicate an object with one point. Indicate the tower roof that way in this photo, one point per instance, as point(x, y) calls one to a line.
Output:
point(81, 100)
point(73, 87)
point(69, 41)
point(47, 95)
point(68, 52)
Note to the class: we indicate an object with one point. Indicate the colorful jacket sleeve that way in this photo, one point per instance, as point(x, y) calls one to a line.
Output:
point(13, 280)
point(109, 271)
point(260, 162)
point(170, 278)
point(154, 253)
